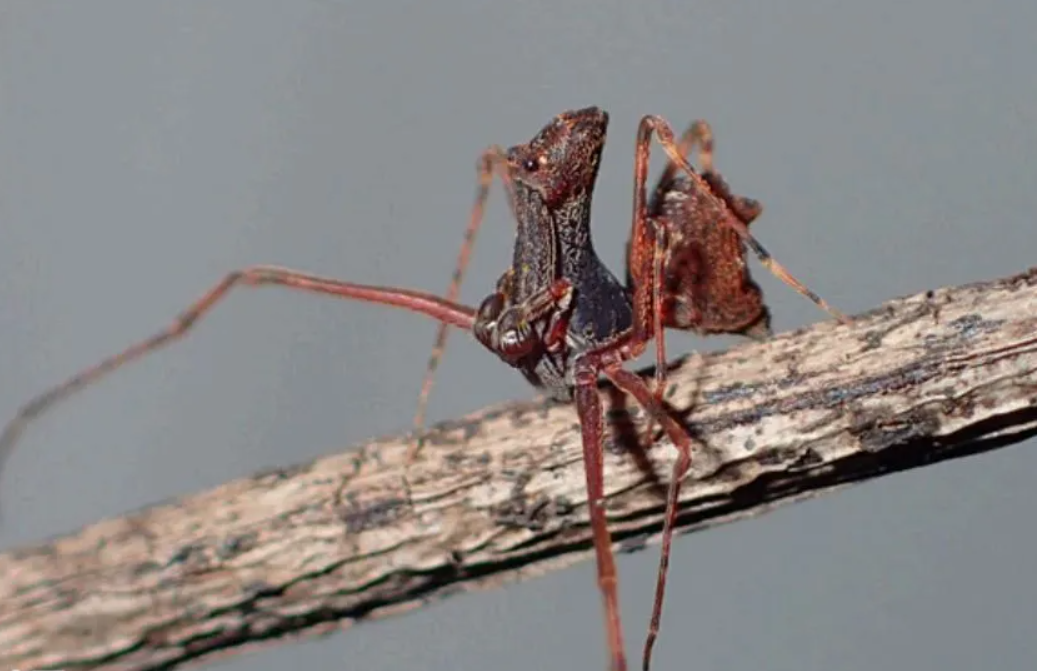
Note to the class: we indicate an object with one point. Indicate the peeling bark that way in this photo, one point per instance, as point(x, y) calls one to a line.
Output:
point(499, 495)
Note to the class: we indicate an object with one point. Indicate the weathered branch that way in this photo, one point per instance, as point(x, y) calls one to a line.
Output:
point(499, 495)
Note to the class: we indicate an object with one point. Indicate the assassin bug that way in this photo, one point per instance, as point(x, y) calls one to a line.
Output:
point(558, 315)
point(706, 285)
point(562, 318)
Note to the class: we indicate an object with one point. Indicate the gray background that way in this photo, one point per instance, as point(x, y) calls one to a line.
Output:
point(146, 148)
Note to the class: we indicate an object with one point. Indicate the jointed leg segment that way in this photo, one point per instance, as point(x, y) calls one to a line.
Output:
point(491, 162)
point(664, 133)
point(446, 312)
point(507, 328)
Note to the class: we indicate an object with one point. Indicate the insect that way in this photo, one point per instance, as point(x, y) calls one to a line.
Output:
point(558, 314)
point(706, 286)
point(562, 318)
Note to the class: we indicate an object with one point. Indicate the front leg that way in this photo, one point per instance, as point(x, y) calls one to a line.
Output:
point(487, 317)
point(509, 329)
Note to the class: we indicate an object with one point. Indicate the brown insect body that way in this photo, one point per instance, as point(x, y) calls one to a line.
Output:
point(553, 182)
point(707, 285)
point(562, 318)
point(558, 314)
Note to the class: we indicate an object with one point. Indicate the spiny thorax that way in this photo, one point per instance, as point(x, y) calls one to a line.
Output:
point(552, 241)
point(559, 238)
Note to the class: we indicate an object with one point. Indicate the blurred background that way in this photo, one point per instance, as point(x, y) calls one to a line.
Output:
point(147, 148)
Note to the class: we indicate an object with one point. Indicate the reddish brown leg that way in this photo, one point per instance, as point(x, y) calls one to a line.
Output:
point(664, 133)
point(588, 405)
point(636, 387)
point(646, 273)
point(506, 328)
point(491, 162)
point(444, 311)
point(699, 133)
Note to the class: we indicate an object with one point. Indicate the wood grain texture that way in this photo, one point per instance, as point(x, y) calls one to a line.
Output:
point(499, 495)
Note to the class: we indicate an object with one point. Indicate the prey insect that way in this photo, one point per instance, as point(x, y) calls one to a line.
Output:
point(706, 286)
point(561, 317)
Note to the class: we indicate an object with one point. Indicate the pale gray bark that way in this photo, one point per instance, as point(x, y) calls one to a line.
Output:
point(499, 495)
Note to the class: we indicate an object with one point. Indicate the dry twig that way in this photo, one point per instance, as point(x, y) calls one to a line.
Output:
point(499, 495)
